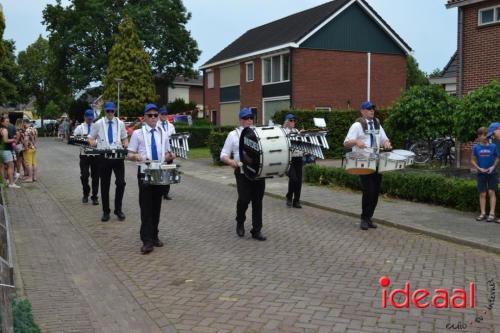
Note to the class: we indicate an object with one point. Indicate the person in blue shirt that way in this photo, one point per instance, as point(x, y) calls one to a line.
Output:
point(485, 159)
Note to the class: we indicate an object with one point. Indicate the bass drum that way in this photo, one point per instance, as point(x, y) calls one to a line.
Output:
point(264, 152)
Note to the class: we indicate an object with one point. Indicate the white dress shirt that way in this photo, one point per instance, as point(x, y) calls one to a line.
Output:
point(100, 133)
point(83, 129)
point(138, 145)
point(167, 126)
point(356, 132)
point(232, 145)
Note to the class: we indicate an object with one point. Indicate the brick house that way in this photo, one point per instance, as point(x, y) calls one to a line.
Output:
point(448, 77)
point(333, 56)
point(478, 40)
point(190, 90)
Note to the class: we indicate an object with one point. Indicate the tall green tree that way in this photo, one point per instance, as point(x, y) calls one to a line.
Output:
point(129, 61)
point(34, 72)
point(2, 28)
point(9, 76)
point(414, 76)
point(81, 34)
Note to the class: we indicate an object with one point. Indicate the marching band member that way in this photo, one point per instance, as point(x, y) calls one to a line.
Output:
point(88, 161)
point(366, 135)
point(149, 143)
point(169, 128)
point(248, 190)
point(108, 133)
point(295, 171)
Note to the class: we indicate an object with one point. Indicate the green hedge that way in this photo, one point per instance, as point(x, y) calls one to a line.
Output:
point(23, 317)
point(435, 189)
point(337, 122)
point(199, 134)
point(216, 141)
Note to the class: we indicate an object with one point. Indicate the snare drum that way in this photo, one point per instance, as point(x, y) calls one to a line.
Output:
point(390, 162)
point(358, 163)
point(161, 174)
point(409, 155)
point(264, 152)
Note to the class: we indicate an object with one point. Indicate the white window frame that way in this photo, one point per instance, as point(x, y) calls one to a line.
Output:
point(496, 19)
point(272, 99)
point(246, 71)
point(323, 108)
point(210, 74)
point(281, 68)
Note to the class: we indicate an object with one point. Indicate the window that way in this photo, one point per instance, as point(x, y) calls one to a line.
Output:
point(489, 15)
point(249, 66)
point(276, 69)
point(210, 80)
point(323, 108)
point(254, 112)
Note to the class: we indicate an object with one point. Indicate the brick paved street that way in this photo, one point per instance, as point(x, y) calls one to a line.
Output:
point(316, 273)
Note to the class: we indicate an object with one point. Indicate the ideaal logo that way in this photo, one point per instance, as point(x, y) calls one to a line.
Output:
point(440, 298)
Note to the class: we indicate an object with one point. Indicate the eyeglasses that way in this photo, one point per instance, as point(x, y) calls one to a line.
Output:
point(108, 111)
point(291, 120)
point(152, 115)
point(246, 118)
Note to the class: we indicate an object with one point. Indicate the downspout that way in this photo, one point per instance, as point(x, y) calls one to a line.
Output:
point(369, 77)
point(204, 106)
point(291, 78)
point(460, 72)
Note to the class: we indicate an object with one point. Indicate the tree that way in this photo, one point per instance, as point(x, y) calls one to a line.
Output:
point(480, 108)
point(9, 75)
point(179, 106)
point(129, 61)
point(435, 73)
point(34, 72)
point(52, 110)
point(81, 36)
point(2, 28)
point(414, 76)
point(422, 112)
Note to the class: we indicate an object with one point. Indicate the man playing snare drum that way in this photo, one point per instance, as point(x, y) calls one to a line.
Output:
point(366, 135)
point(149, 143)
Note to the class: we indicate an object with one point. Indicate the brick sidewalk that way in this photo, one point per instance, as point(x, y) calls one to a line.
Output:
point(316, 273)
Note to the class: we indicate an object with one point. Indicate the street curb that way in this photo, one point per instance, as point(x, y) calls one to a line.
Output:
point(425, 231)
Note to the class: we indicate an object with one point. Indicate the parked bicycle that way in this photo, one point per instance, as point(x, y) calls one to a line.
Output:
point(440, 149)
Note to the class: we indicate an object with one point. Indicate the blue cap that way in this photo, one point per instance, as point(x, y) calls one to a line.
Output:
point(246, 112)
point(367, 105)
point(163, 110)
point(89, 113)
point(289, 116)
point(492, 128)
point(109, 106)
point(150, 107)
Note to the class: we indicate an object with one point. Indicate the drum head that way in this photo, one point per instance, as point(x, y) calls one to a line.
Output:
point(250, 153)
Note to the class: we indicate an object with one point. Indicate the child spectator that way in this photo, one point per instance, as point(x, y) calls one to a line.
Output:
point(485, 159)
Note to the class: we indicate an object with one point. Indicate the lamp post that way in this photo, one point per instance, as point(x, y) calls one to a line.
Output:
point(118, 81)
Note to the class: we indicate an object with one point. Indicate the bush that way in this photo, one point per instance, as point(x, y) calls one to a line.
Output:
point(337, 123)
point(199, 134)
point(216, 141)
point(23, 317)
point(435, 189)
point(478, 109)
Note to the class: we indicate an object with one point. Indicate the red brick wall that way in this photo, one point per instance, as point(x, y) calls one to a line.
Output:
point(481, 54)
point(251, 92)
point(212, 95)
point(196, 94)
point(338, 79)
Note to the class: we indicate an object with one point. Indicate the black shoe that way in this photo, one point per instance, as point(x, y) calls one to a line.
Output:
point(95, 202)
point(364, 225)
point(85, 199)
point(371, 224)
point(147, 248)
point(289, 202)
point(105, 217)
point(158, 243)
point(297, 205)
point(240, 229)
point(167, 197)
point(259, 236)
point(120, 215)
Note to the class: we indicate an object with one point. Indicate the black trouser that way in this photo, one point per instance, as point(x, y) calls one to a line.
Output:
point(150, 198)
point(295, 179)
point(167, 187)
point(249, 190)
point(106, 167)
point(89, 166)
point(370, 185)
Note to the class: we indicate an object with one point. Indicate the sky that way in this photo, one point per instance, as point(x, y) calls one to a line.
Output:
point(426, 25)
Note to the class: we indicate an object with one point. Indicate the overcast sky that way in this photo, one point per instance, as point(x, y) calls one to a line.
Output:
point(426, 25)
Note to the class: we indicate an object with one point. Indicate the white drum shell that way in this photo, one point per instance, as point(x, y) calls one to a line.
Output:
point(275, 150)
point(357, 163)
point(391, 162)
point(161, 174)
point(409, 155)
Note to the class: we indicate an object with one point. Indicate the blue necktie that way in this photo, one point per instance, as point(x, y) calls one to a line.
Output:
point(371, 133)
point(163, 123)
point(110, 131)
point(154, 152)
point(88, 130)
